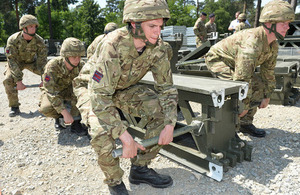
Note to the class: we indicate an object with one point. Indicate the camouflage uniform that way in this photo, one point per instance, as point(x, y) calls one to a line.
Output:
point(115, 70)
point(21, 55)
point(241, 26)
point(200, 30)
point(210, 27)
point(236, 57)
point(57, 88)
point(111, 26)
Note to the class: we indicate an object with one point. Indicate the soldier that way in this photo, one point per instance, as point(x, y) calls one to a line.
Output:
point(108, 28)
point(57, 86)
point(237, 56)
point(200, 30)
point(120, 62)
point(211, 25)
point(242, 23)
point(24, 50)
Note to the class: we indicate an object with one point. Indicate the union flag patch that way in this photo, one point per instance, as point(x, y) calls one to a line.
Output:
point(47, 78)
point(97, 76)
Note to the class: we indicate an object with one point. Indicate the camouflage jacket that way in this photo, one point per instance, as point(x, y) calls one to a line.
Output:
point(58, 79)
point(242, 52)
point(200, 29)
point(20, 52)
point(92, 48)
point(210, 27)
point(117, 65)
point(241, 26)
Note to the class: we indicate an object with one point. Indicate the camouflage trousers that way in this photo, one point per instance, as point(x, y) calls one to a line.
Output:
point(47, 109)
point(199, 42)
point(257, 84)
point(10, 84)
point(138, 101)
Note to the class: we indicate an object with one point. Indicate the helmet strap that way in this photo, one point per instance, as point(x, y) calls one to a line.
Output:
point(273, 29)
point(26, 32)
point(139, 33)
point(67, 60)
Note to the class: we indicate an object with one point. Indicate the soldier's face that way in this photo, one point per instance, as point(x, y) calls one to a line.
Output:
point(31, 29)
point(74, 60)
point(282, 27)
point(152, 29)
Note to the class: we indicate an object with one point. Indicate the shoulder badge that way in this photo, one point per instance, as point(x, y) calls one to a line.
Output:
point(47, 78)
point(97, 76)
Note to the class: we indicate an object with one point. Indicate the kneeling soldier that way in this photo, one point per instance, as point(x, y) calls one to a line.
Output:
point(57, 86)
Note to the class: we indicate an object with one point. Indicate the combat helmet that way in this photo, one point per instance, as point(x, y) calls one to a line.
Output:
point(242, 16)
point(274, 12)
point(144, 10)
point(27, 20)
point(111, 26)
point(72, 47)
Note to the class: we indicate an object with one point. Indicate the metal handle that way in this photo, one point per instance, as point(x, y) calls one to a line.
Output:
point(196, 125)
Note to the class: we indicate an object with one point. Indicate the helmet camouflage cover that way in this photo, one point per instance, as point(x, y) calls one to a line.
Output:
point(143, 10)
point(242, 16)
point(111, 26)
point(277, 11)
point(72, 47)
point(27, 20)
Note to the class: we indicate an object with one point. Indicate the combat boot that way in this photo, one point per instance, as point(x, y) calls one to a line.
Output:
point(143, 174)
point(118, 189)
point(78, 128)
point(14, 111)
point(58, 126)
point(252, 130)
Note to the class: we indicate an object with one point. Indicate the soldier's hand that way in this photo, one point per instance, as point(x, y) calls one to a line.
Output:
point(166, 135)
point(264, 103)
point(67, 117)
point(130, 147)
point(243, 113)
point(20, 86)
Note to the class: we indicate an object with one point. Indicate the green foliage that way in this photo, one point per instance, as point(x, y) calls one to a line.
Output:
point(181, 15)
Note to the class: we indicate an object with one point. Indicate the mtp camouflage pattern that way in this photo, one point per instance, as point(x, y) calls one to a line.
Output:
point(143, 10)
point(237, 56)
point(277, 11)
point(57, 88)
point(112, 86)
point(22, 55)
point(72, 47)
point(200, 32)
point(241, 26)
point(210, 27)
point(109, 27)
point(27, 20)
point(92, 47)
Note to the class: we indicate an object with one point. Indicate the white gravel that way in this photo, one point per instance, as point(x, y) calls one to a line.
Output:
point(36, 159)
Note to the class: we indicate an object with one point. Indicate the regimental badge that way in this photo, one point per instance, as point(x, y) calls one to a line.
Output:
point(47, 78)
point(97, 76)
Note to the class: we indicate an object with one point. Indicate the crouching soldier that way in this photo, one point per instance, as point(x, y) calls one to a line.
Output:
point(24, 50)
point(57, 86)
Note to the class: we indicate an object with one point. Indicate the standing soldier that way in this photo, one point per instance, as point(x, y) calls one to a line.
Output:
point(242, 23)
point(57, 86)
point(24, 50)
point(200, 30)
point(211, 25)
point(108, 28)
point(237, 56)
point(120, 62)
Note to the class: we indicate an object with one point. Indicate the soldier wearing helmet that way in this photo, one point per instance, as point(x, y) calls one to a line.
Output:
point(111, 26)
point(200, 30)
point(242, 23)
point(57, 86)
point(120, 62)
point(237, 56)
point(24, 50)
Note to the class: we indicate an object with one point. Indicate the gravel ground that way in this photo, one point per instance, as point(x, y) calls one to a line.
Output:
point(36, 159)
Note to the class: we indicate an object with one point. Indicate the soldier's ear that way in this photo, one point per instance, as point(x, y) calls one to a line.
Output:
point(133, 25)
